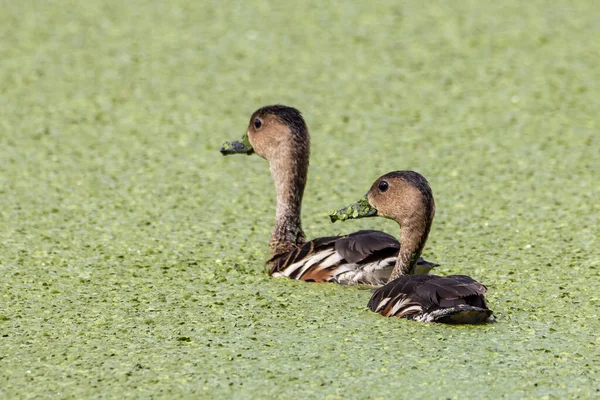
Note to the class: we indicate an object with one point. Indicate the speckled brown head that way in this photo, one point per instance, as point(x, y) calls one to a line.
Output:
point(273, 131)
point(279, 134)
point(279, 131)
point(402, 196)
point(405, 197)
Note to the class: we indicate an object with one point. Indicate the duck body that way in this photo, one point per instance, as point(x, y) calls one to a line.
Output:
point(406, 197)
point(456, 299)
point(365, 257)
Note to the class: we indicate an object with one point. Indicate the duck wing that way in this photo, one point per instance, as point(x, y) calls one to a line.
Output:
point(358, 246)
point(429, 298)
point(364, 257)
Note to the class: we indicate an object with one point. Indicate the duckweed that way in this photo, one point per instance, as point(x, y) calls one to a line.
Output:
point(228, 146)
point(131, 251)
point(361, 208)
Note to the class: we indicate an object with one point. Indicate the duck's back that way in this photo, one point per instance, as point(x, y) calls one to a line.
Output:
point(429, 298)
point(362, 258)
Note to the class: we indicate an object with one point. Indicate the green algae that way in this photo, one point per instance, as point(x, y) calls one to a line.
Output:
point(131, 251)
point(360, 209)
point(237, 147)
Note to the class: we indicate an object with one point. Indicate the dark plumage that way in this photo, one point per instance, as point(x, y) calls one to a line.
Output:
point(429, 298)
point(359, 246)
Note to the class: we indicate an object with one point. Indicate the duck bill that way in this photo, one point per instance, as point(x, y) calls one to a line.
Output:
point(237, 147)
point(360, 209)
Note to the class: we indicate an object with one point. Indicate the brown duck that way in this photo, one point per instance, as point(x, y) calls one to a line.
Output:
point(279, 134)
point(406, 197)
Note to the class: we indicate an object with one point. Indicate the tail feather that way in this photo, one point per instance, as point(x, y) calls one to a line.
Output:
point(462, 314)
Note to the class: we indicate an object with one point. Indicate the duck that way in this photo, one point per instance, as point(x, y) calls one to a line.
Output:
point(406, 197)
point(279, 134)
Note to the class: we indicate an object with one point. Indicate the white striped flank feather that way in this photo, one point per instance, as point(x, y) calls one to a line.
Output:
point(382, 304)
point(305, 264)
point(411, 310)
point(401, 301)
point(329, 261)
point(375, 273)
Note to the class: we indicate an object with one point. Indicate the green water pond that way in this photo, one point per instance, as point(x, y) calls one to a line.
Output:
point(132, 253)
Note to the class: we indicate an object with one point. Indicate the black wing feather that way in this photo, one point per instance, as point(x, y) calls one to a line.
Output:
point(357, 246)
point(442, 296)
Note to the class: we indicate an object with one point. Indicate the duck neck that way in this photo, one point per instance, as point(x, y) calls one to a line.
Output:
point(410, 251)
point(414, 231)
point(290, 181)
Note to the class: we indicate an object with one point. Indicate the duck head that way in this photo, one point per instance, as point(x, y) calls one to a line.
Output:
point(405, 197)
point(273, 132)
point(398, 195)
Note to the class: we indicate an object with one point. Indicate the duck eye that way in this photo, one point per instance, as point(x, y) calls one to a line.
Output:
point(383, 186)
point(257, 123)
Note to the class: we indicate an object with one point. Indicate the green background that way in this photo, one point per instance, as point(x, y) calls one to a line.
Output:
point(131, 251)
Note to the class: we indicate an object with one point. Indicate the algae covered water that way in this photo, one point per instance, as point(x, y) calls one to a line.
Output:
point(131, 251)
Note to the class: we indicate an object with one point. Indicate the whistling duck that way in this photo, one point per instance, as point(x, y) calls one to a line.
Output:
point(406, 197)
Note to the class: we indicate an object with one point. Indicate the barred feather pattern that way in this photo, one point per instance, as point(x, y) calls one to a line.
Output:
point(456, 299)
point(362, 258)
